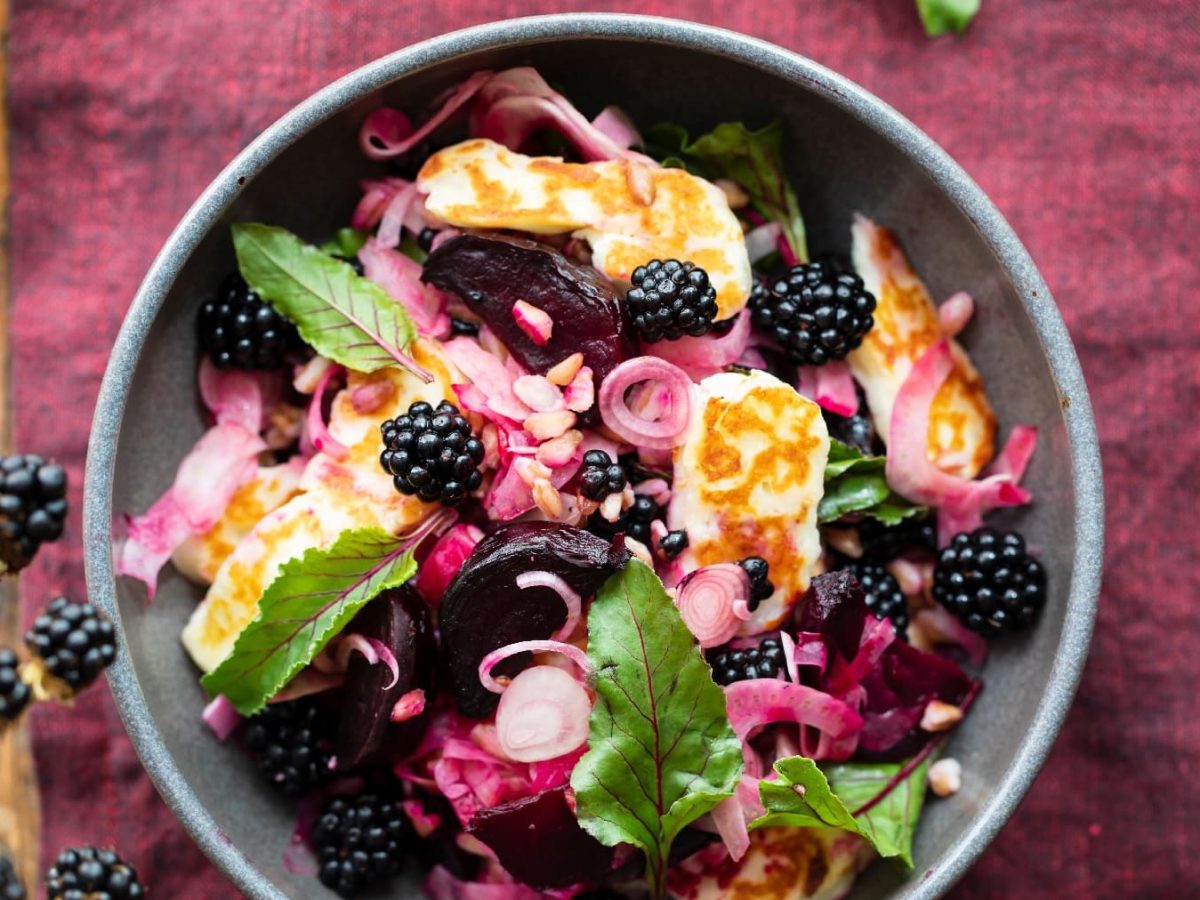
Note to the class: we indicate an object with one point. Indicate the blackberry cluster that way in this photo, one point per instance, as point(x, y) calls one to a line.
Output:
point(240, 330)
point(359, 840)
point(75, 642)
point(10, 882)
point(670, 299)
point(990, 582)
point(634, 522)
point(673, 543)
point(764, 661)
point(432, 453)
point(884, 598)
point(883, 543)
point(14, 692)
point(757, 570)
point(601, 476)
point(86, 873)
point(292, 744)
point(33, 507)
point(815, 313)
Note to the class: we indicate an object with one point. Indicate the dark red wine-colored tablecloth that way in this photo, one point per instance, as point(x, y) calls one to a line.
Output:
point(1080, 121)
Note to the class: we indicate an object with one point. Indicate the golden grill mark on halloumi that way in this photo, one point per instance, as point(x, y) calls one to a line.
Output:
point(482, 184)
point(201, 555)
point(748, 479)
point(962, 425)
point(337, 495)
point(782, 864)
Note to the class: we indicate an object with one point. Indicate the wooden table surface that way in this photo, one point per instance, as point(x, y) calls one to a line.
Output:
point(20, 814)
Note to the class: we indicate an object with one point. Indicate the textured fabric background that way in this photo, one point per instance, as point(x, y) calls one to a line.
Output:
point(1078, 119)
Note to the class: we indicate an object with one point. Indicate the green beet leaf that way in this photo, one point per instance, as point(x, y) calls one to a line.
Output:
point(855, 483)
point(661, 751)
point(309, 602)
point(340, 314)
point(754, 159)
point(944, 16)
point(856, 797)
point(346, 243)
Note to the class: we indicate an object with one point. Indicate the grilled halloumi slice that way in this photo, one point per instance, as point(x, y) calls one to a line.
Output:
point(336, 495)
point(628, 212)
point(962, 425)
point(201, 555)
point(748, 479)
point(782, 864)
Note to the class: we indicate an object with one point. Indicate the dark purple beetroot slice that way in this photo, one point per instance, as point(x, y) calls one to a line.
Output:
point(399, 619)
point(491, 273)
point(834, 606)
point(539, 841)
point(483, 608)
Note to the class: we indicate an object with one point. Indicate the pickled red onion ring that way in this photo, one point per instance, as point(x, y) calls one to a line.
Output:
point(573, 601)
point(660, 434)
point(713, 602)
point(318, 432)
point(498, 656)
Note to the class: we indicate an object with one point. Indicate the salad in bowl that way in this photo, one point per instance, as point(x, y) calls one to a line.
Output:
point(568, 530)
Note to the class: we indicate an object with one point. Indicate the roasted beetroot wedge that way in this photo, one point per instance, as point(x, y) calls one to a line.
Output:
point(483, 608)
point(491, 273)
point(539, 841)
point(400, 620)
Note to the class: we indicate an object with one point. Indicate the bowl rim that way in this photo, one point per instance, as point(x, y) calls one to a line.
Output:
point(915, 144)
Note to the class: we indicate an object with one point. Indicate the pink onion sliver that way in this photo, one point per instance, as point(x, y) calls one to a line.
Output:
point(409, 706)
point(318, 432)
point(909, 576)
point(233, 396)
point(789, 656)
point(806, 382)
point(700, 357)
point(543, 714)
point(835, 388)
point(765, 701)
point(731, 826)
point(615, 124)
point(955, 313)
point(367, 398)
point(372, 650)
point(1014, 458)
point(498, 656)
point(387, 133)
point(662, 434)
point(763, 240)
point(392, 223)
point(221, 716)
point(707, 600)
point(573, 601)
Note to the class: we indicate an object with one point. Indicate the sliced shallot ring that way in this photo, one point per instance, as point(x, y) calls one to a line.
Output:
point(498, 656)
point(713, 602)
point(573, 601)
point(662, 434)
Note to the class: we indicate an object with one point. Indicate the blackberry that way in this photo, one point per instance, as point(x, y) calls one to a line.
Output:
point(10, 882)
point(884, 598)
point(813, 312)
point(673, 543)
point(292, 744)
point(359, 840)
point(239, 330)
point(989, 581)
point(670, 299)
point(857, 431)
point(463, 328)
point(883, 543)
point(425, 238)
point(75, 642)
point(33, 507)
point(14, 692)
point(432, 453)
point(757, 570)
point(634, 522)
point(85, 873)
point(764, 661)
point(601, 476)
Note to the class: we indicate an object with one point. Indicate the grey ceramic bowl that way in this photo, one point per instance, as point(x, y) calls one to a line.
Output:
point(847, 151)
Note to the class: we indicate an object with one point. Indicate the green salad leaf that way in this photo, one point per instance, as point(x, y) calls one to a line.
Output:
point(340, 314)
point(855, 483)
point(754, 159)
point(661, 751)
point(346, 243)
point(944, 16)
point(309, 602)
point(848, 796)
